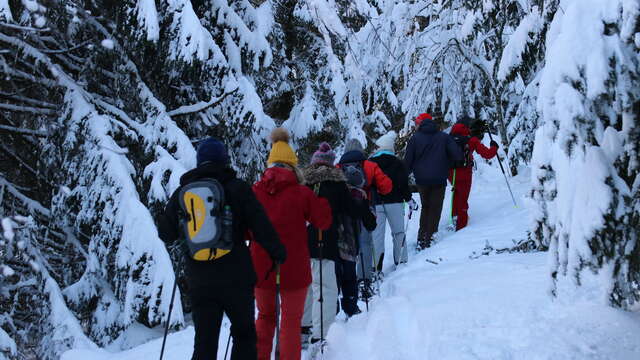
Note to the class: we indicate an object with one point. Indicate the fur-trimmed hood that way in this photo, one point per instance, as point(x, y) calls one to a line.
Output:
point(317, 173)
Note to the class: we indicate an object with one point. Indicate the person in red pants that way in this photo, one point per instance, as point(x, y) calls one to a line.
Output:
point(464, 171)
point(289, 206)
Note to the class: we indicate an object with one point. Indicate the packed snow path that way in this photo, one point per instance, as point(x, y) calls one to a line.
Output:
point(492, 307)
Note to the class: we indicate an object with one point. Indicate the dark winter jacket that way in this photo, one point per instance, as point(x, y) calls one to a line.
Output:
point(376, 178)
point(235, 267)
point(430, 153)
point(330, 183)
point(396, 170)
point(465, 174)
point(289, 206)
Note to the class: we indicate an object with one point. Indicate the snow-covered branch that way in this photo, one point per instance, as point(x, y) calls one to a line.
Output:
point(201, 106)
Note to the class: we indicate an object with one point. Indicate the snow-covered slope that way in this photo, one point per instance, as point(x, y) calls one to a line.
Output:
point(467, 306)
point(486, 307)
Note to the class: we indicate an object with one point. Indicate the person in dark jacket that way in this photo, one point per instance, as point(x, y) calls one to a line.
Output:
point(430, 153)
point(377, 182)
point(330, 183)
point(290, 206)
point(464, 175)
point(390, 207)
point(224, 285)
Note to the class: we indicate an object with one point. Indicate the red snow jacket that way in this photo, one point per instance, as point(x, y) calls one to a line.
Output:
point(474, 146)
point(289, 206)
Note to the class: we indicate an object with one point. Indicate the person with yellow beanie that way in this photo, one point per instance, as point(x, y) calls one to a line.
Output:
point(290, 206)
point(281, 151)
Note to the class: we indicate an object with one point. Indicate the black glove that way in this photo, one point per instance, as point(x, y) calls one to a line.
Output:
point(494, 144)
point(279, 255)
point(369, 220)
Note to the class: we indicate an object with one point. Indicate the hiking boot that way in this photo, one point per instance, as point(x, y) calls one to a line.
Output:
point(305, 336)
point(350, 305)
point(354, 312)
point(423, 243)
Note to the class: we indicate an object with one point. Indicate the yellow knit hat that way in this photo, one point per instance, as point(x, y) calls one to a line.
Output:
point(281, 152)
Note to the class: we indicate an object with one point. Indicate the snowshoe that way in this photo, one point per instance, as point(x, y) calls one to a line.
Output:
point(305, 336)
point(316, 348)
point(366, 289)
point(378, 277)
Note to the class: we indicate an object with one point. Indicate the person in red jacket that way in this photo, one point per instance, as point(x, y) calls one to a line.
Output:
point(464, 174)
point(290, 206)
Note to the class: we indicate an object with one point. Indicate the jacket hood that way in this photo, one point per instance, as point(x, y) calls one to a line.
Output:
point(222, 173)
point(318, 173)
point(353, 144)
point(428, 127)
point(384, 159)
point(276, 179)
point(352, 156)
point(460, 129)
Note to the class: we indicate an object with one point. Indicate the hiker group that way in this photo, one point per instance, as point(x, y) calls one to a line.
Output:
point(302, 243)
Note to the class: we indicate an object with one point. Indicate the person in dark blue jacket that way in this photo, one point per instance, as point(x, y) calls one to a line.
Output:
point(430, 153)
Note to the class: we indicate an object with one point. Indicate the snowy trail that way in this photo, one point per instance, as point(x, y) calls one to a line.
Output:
point(492, 307)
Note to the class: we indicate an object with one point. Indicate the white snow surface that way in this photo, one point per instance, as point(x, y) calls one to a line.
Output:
point(492, 307)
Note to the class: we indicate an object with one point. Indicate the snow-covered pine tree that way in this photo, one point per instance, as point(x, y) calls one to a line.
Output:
point(100, 102)
point(586, 181)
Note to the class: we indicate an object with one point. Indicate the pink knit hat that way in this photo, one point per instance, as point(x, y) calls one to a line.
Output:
point(324, 155)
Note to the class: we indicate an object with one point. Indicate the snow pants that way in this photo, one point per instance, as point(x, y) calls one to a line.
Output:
point(365, 260)
point(394, 214)
point(461, 202)
point(348, 284)
point(292, 307)
point(431, 197)
point(208, 306)
point(329, 302)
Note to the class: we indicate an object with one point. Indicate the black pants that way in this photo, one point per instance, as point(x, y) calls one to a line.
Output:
point(348, 285)
point(431, 197)
point(208, 305)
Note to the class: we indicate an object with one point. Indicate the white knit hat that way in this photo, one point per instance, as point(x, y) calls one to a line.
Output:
point(387, 141)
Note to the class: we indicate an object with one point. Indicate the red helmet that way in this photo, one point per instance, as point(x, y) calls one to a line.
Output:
point(421, 118)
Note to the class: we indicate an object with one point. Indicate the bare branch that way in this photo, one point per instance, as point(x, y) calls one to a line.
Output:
point(24, 28)
point(27, 100)
point(29, 109)
point(61, 51)
point(23, 131)
point(201, 106)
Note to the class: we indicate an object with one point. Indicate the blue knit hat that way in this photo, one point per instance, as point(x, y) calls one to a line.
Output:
point(212, 150)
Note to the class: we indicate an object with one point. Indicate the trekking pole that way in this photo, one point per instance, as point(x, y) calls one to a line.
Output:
point(505, 175)
point(226, 352)
point(321, 300)
point(166, 328)
point(366, 299)
point(453, 194)
point(277, 355)
point(406, 228)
